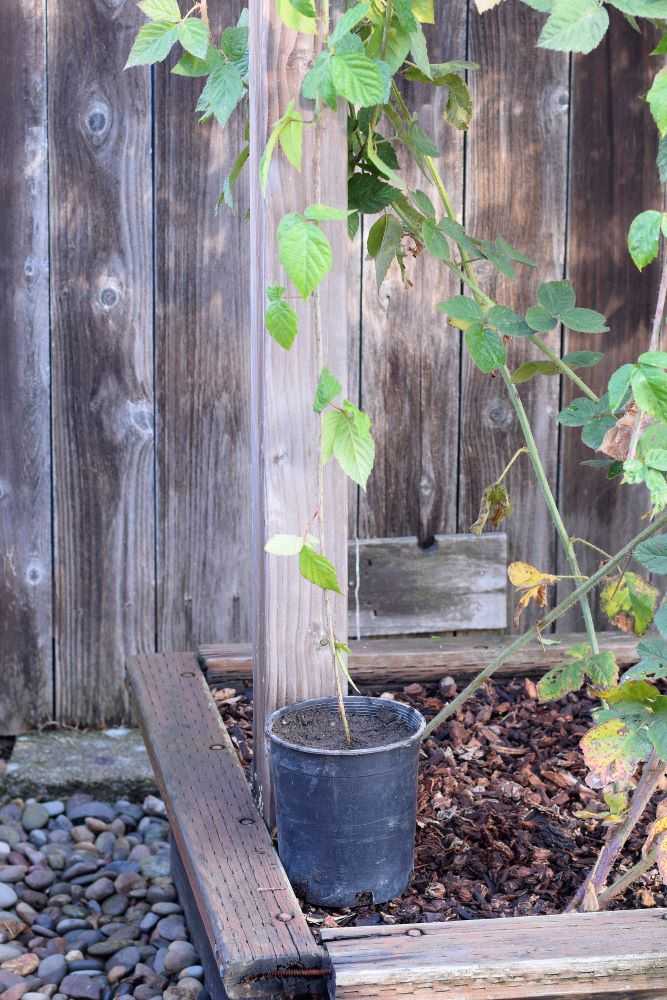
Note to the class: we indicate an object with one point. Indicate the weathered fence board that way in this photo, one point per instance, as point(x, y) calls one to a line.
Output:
point(102, 348)
point(26, 692)
point(614, 177)
point(201, 369)
point(517, 184)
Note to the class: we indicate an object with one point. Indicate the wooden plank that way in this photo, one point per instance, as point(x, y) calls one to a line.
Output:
point(287, 626)
point(458, 582)
point(26, 693)
point(400, 661)
point(250, 914)
point(101, 208)
point(516, 184)
point(622, 953)
point(410, 362)
point(202, 415)
point(607, 191)
point(195, 924)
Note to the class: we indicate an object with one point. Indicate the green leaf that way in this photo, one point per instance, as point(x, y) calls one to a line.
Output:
point(325, 213)
point(584, 320)
point(556, 297)
point(317, 83)
point(234, 44)
point(461, 311)
point(357, 78)
point(328, 387)
point(653, 554)
point(353, 221)
point(304, 251)
point(227, 196)
point(290, 138)
point(304, 7)
point(419, 140)
point(369, 194)
point(594, 431)
point(508, 323)
point(347, 436)
point(629, 604)
point(456, 232)
point(434, 241)
point(612, 751)
point(485, 348)
point(152, 44)
point(661, 158)
point(190, 66)
point(649, 387)
point(193, 35)
point(602, 670)
point(540, 319)
point(318, 569)
point(419, 52)
point(656, 458)
point(284, 545)
point(347, 22)
point(619, 384)
point(577, 413)
point(560, 680)
point(657, 99)
point(459, 107)
point(574, 26)
point(281, 322)
point(642, 8)
point(644, 238)
point(384, 242)
point(290, 17)
point(222, 93)
point(161, 10)
point(656, 359)
point(653, 653)
point(582, 359)
point(424, 203)
point(529, 369)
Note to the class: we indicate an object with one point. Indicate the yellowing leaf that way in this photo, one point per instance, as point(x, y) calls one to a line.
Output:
point(494, 508)
point(630, 603)
point(523, 575)
point(612, 751)
point(656, 828)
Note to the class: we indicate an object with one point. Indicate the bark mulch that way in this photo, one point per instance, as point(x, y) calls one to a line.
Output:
point(498, 789)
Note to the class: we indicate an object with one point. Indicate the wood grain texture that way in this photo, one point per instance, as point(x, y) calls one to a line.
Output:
point(248, 908)
point(288, 620)
point(516, 183)
point(458, 582)
point(623, 953)
point(410, 360)
point(101, 206)
point(26, 692)
point(607, 191)
point(202, 369)
point(399, 661)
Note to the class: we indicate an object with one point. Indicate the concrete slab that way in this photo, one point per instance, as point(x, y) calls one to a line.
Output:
point(109, 764)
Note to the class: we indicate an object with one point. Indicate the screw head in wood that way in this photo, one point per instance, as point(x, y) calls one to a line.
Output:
point(217, 746)
point(414, 932)
point(285, 917)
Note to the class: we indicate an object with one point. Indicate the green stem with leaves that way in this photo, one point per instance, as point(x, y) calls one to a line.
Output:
point(564, 368)
point(534, 632)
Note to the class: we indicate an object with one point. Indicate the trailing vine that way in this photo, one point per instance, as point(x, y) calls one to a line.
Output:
point(360, 62)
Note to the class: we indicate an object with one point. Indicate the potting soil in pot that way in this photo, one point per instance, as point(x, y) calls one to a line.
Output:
point(321, 727)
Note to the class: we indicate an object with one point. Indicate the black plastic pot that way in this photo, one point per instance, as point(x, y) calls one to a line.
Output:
point(346, 818)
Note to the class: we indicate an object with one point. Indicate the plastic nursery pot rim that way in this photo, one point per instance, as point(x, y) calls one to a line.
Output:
point(400, 710)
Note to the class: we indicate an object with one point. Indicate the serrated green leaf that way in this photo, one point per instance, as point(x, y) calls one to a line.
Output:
point(166, 11)
point(485, 348)
point(347, 437)
point(357, 78)
point(291, 17)
point(461, 311)
point(540, 319)
point(234, 44)
point(657, 99)
point(649, 388)
point(384, 242)
point(434, 241)
point(290, 138)
point(284, 545)
point(560, 680)
point(353, 221)
point(602, 670)
point(459, 107)
point(455, 231)
point(193, 35)
point(325, 213)
point(304, 251)
point(660, 620)
point(653, 653)
point(423, 203)
point(507, 322)
point(619, 384)
point(223, 91)
point(305, 7)
point(656, 359)
point(368, 194)
point(190, 66)
point(328, 387)
point(349, 20)
point(574, 26)
point(419, 51)
point(578, 413)
point(629, 604)
point(556, 297)
point(594, 431)
point(318, 84)
point(529, 369)
point(317, 569)
point(419, 141)
point(152, 44)
point(644, 238)
point(582, 359)
point(653, 554)
point(584, 320)
point(281, 322)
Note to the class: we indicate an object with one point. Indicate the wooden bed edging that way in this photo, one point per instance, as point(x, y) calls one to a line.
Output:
point(243, 912)
point(620, 954)
point(402, 661)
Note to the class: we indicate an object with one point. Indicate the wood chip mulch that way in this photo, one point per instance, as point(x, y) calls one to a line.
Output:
point(499, 786)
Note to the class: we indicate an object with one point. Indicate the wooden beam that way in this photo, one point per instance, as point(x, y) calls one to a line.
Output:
point(244, 901)
point(287, 621)
point(458, 582)
point(402, 661)
point(620, 954)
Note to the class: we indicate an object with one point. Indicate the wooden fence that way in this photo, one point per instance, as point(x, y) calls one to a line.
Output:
point(124, 428)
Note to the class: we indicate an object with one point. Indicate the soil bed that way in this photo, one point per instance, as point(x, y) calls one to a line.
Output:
point(499, 786)
point(315, 726)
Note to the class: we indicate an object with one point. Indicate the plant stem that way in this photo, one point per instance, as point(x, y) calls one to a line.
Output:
point(632, 874)
point(549, 499)
point(517, 454)
point(551, 616)
point(563, 367)
point(595, 548)
point(652, 773)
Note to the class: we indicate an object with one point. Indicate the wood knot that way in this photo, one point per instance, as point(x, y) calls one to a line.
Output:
point(285, 917)
point(97, 120)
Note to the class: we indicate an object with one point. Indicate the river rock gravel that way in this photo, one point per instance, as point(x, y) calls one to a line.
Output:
point(88, 909)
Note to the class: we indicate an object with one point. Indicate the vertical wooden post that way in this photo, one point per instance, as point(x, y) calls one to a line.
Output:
point(291, 660)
